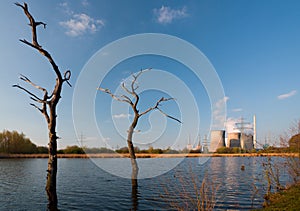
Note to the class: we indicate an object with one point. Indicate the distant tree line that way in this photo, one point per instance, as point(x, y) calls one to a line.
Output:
point(14, 143)
point(230, 150)
point(17, 143)
point(84, 150)
point(152, 150)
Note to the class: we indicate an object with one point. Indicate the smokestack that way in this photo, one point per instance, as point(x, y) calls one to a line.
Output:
point(254, 131)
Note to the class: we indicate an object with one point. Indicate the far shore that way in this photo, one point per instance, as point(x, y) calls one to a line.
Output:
point(145, 155)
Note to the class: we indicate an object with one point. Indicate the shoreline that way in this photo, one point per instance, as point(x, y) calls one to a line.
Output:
point(145, 155)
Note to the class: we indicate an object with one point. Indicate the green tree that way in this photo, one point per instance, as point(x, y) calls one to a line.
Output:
point(294, 143)
point(73, 150)
point(14, 142)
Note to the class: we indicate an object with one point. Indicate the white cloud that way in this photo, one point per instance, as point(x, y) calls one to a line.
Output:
point(95, 138)
point(91, 138)
point(165, 15)
point(222, 102)
point(287, 95)
point(106, 139)
point(237, 109)
point(219, 113)
point(121, 116)
point(63, 4)
point(226, 99)
point(66, 8)
point(85, 3)
point(231, 125)
point(81, 24)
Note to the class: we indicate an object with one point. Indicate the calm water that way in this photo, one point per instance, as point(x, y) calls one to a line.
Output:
point(82, 185)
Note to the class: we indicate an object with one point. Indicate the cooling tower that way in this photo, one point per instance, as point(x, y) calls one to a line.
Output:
point(234, 139)
point(217, 140)
point(248, 142)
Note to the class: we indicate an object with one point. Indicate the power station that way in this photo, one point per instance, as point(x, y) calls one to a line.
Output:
point(240, 139)
point(217, 140)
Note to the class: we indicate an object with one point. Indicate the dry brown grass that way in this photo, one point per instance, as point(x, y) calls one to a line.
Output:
point(191, 193)
point(146, 155)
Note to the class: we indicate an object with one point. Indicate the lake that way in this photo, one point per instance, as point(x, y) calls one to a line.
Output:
point(82, 185)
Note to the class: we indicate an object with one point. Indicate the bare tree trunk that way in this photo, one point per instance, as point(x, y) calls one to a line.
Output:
point(52, 160)
point(49, 103)
point(52, 170)
point(134, 165)
point(133, 103)
point(134, 194)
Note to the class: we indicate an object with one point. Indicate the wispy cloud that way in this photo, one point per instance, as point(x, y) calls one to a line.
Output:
point(81, 24)
point(165, 15)
point(121, 116)
point(237, 109)
point(219, 113)
point(106, 139)
point(66, 8)
point(287, 95)
point(85, 3)
point(95, 138)
point(231, 125)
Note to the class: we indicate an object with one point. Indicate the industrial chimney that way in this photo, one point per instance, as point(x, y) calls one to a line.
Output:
point(254, 131)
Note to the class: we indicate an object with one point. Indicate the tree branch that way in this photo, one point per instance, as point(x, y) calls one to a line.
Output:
point(168, 115)
point(36, 98)
point(134, 87)
point(158, 103)
point(36, 107)
point(35, 43)
point(32, 23)
point(125, 98)
point(126, 89)
point(24, 78)
point(43, 101)
point(67, 76)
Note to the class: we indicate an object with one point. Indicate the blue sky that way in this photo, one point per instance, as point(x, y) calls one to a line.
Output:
point(253, 45)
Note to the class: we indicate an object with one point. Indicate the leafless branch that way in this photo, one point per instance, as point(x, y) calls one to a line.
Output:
point(36, 98)
point(158, 103)
point(24, 78)
point(35, 43)
point(41, 23)
point(132, 91)
point(67, 76)
point(32, 23)
point(134, 103)
point(48, 107)
point(168, 115)
point(127, 98)
point(41, 110)
point(126, 89)
point(118, 98)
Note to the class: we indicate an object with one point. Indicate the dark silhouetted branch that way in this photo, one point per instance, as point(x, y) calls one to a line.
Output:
point(48, 107)
point(156, 107)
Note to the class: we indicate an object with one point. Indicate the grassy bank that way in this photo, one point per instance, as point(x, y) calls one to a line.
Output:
point(285, 200)
point(146, 155)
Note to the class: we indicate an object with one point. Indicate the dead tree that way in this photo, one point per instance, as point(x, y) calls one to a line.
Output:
point(48, 105)
point(133, 102)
